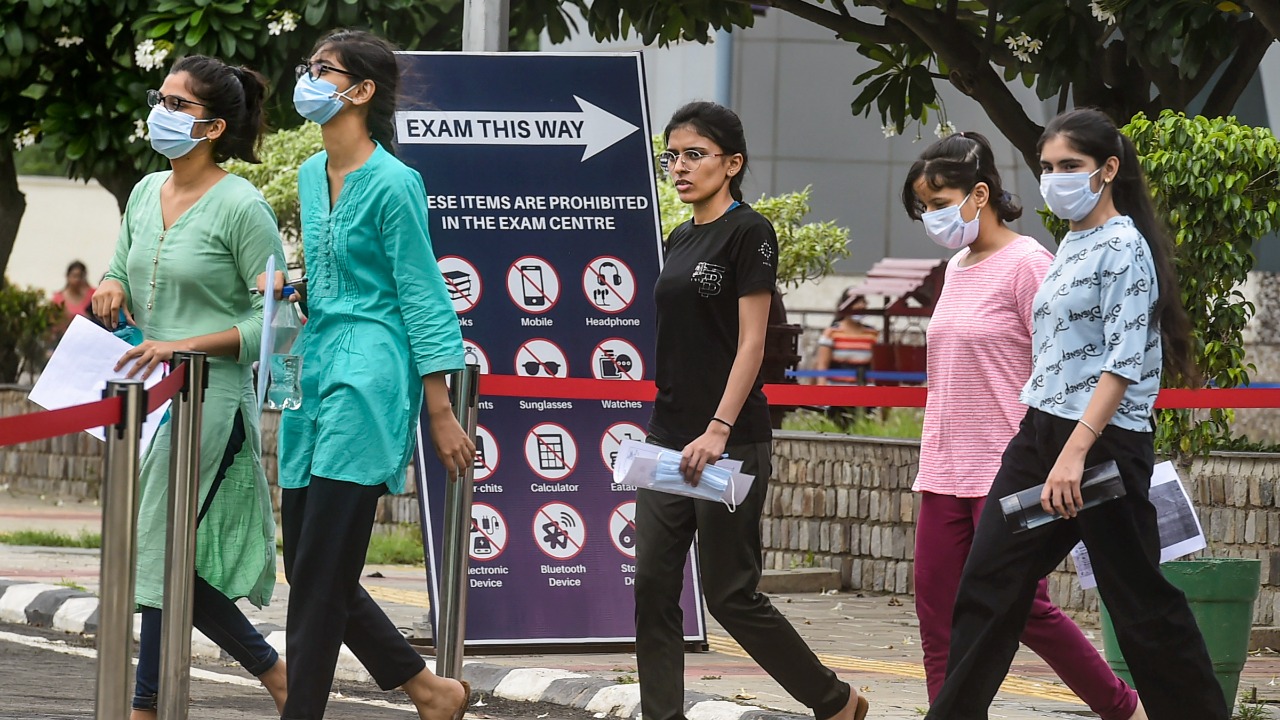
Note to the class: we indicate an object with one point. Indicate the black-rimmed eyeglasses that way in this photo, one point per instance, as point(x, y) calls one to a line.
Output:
point(317, 70)
point(172, 103)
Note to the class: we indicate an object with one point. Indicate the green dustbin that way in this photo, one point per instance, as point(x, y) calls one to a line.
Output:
point(1221, 592)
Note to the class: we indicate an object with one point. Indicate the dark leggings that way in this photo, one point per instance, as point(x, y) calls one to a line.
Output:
point(213, 613)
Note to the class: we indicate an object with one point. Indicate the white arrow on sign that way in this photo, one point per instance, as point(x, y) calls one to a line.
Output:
point(596, 129)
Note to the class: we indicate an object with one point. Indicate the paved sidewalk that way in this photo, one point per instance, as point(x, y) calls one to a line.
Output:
point(872, 641)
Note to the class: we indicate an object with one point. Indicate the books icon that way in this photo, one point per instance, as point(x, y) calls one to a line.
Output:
point(459, 284)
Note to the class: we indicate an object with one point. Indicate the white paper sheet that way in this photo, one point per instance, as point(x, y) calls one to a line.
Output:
point(79, 369)
point(1180, 530)
point(268, 332)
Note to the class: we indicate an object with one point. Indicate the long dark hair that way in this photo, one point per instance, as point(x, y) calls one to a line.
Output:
point(369, 57)
point(960, 161)
point(718, 124)
point(236, 95)
point(1093, 133)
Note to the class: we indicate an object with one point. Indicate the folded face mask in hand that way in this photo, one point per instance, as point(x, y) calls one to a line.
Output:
point(715, 480)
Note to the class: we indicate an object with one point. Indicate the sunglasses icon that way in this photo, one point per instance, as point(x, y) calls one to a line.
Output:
point(531, 367)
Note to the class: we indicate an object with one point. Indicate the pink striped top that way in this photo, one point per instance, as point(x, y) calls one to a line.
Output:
point(979, 358)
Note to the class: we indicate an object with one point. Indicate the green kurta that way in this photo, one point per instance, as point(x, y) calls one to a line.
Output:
point(380, 320)
point(196, 277)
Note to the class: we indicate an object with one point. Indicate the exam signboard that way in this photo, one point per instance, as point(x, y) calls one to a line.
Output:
point(543, 216)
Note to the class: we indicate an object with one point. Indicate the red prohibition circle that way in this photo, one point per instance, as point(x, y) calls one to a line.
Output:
point(515, 266)
point(541, 513)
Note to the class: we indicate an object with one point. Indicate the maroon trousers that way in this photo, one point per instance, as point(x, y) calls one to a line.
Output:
point(944, 534)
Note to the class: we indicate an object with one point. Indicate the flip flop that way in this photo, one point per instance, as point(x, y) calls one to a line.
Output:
point(466, 702)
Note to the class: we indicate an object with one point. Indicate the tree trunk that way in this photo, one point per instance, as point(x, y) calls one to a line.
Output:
point(119, 182)
point(13, 205)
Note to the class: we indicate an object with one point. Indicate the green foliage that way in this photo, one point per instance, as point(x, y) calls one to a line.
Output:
point(806, 250)
point(282, 153)
point(1123, 56)
point(906, 423)
point(400, 546)
point(1216, 182)
point(51, 538)
point(26, 317)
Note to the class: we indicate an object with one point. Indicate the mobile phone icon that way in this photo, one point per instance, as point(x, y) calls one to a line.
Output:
point(532, 285)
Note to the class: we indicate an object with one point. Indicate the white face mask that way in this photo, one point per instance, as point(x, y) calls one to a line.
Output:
point(947, 228)
point(1070, 196)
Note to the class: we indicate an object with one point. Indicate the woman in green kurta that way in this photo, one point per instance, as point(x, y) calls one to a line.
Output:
point(191, 243)
point(381, 334)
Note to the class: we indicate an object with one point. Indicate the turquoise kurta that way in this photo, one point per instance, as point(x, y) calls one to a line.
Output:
point(379, 319)
point(196, 277)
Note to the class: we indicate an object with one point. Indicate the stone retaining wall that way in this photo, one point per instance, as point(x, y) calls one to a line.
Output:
point(834, 501)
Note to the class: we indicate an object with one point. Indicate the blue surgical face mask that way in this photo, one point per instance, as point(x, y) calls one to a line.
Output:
point(947, 228)
point(1070, 196)
point(714, 481)
point(170, 132)
point(317, 100)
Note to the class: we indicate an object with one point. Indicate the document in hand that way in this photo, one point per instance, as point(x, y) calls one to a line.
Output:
point(79, 369)
point(651, 467)
point(1179, 526)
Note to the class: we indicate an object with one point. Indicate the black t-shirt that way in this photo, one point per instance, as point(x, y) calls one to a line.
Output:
point(708, 268)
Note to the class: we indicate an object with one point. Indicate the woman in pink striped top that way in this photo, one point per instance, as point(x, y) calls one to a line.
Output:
point(979, 343)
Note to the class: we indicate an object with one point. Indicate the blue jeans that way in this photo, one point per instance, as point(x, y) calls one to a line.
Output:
point(218, 618)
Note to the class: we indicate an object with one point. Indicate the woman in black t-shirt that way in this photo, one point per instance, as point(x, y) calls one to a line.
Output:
point(713, 307)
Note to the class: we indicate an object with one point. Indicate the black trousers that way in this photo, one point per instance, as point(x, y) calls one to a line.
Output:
point(326, 529)
point(1156, 630)
point(729, 556)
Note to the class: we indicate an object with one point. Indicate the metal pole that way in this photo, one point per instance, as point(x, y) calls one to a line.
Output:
point(486, 25)
point(180, 548)
point(119, 544)
point(463, 393)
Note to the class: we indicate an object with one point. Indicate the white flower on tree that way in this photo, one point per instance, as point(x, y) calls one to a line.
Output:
point(945, 129)
point(139, 131)
point(149, 55)
point(25, 137)
point(889, 130)
point(1023, 47)
point(67, 40)
point(284, 22)
point(1102, 14)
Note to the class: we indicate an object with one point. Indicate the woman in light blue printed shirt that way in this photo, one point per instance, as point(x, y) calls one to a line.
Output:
point(1107, 323)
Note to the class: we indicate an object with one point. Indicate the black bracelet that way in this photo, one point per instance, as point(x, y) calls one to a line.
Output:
point(728, 425)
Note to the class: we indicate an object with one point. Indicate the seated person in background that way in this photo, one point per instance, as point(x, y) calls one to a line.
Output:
point(846, 345)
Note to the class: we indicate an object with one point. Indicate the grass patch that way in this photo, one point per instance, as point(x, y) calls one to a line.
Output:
point(401, 546)
point(50, 538)
point(892, 423)
point(72, 584)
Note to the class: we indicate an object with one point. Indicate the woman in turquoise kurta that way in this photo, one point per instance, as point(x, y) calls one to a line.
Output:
point(192, 241)
point(381, 334)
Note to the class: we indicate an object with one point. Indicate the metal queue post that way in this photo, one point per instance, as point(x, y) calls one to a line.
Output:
point(464, 394)
point(119, 544)
point(180, 549)
point(484, 29)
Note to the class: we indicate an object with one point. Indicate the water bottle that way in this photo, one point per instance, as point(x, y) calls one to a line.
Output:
point(1099, 484)
point(285, 390)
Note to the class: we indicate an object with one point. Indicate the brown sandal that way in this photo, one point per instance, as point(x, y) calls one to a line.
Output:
point(466, 701)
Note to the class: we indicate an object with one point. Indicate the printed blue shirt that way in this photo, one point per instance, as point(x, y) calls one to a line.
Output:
point(1094, 314)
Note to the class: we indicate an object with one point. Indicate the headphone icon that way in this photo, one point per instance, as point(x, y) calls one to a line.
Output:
point(617, 276)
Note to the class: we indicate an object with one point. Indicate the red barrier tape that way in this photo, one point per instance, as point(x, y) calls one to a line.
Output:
point(832, 395)
point(52, 423)
point(166, 388)
point(65, 421)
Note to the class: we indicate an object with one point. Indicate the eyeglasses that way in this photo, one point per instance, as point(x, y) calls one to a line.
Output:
point(692, 159)
point(172, 103)
point(317, 69)
point(531, 367)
